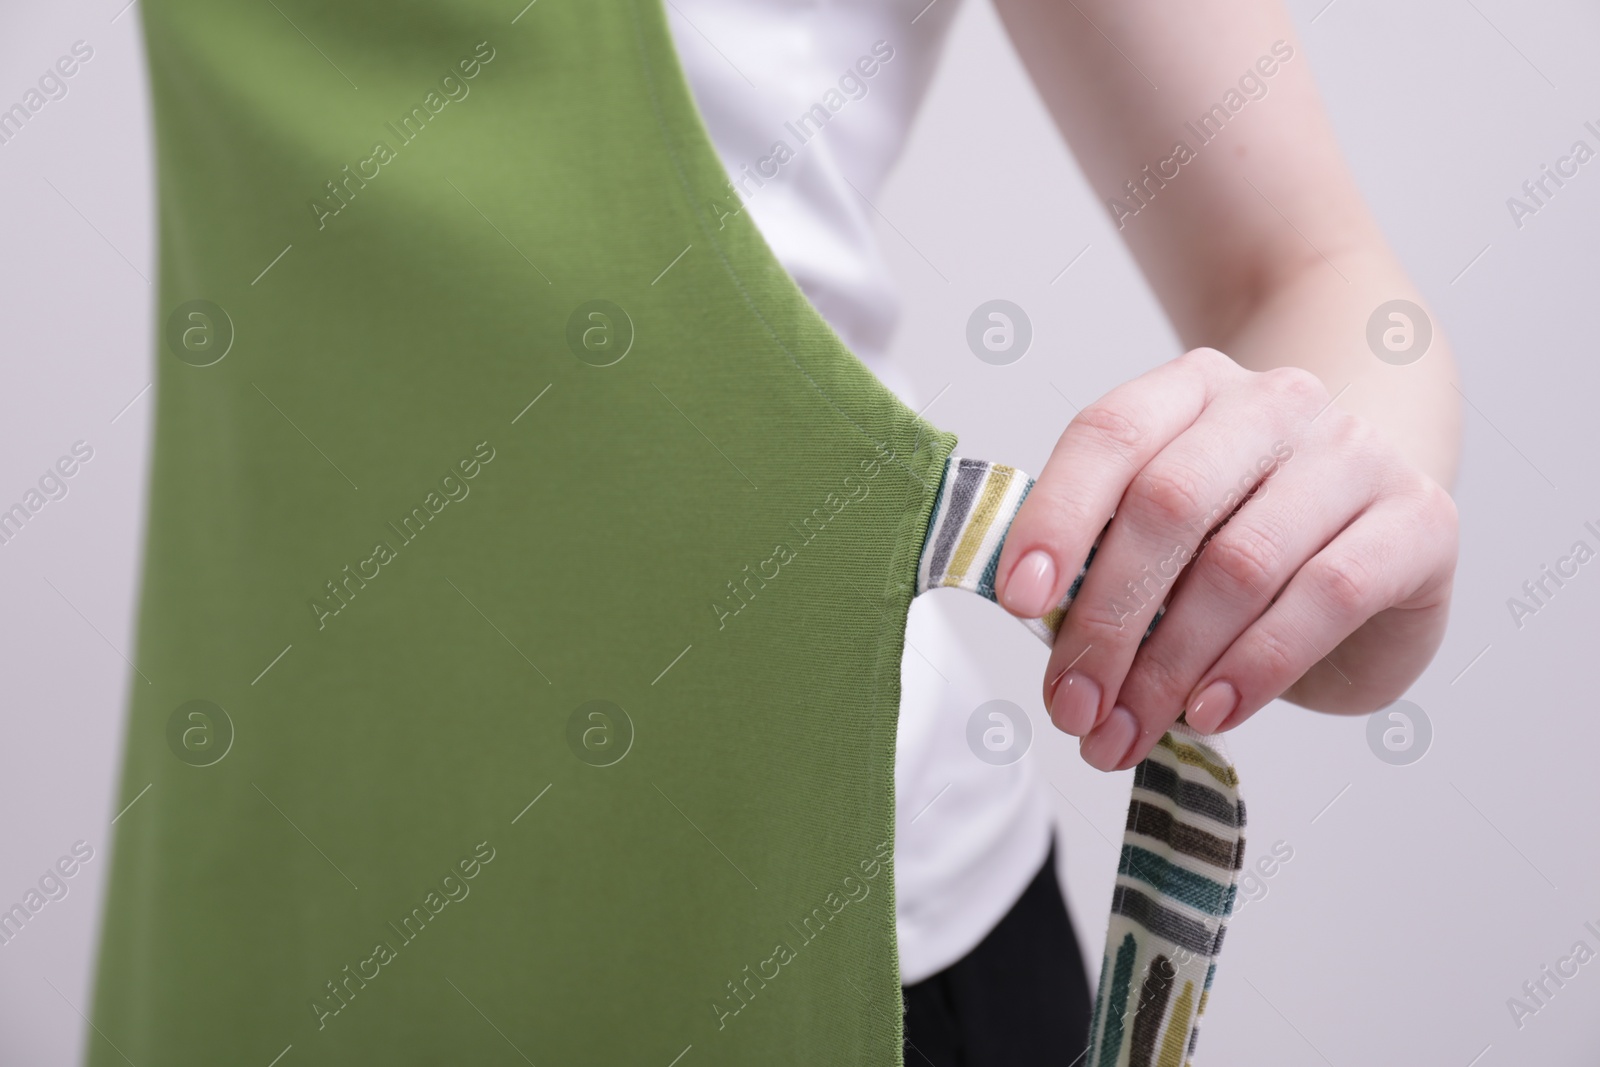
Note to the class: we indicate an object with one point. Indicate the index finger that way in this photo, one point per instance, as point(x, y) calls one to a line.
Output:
point(1099, 454)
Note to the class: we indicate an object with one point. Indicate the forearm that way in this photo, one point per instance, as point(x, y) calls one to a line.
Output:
point(1253, 235)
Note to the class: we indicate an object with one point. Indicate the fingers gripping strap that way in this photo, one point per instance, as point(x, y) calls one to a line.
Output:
point(1183, 844)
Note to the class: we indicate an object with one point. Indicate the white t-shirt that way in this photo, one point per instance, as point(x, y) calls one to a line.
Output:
point(808, 105)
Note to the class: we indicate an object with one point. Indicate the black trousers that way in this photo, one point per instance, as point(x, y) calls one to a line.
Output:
point(1020, 998)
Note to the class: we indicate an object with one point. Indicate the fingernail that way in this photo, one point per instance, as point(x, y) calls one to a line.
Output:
point(1108, 743)
point(1028, 590)
point(1076, 705)
point(1216, 702)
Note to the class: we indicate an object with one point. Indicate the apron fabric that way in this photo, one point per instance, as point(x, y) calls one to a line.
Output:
point(526, 572)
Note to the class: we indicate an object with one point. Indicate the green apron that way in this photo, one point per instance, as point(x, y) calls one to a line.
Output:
point(667, 600)
point(526, 574)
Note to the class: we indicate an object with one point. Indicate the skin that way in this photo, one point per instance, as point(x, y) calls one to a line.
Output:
point(1330, 585)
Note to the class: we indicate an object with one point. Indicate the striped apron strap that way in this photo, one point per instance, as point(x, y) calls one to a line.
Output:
point(1183, 843)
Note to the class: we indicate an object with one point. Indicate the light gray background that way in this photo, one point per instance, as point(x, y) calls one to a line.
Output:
point(1419, 898)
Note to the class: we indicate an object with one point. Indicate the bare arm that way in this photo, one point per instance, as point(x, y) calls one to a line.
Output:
point(1259, 244)
point(1199, 126)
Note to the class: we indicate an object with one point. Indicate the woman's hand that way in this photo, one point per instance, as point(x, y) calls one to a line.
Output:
point(1329, 586)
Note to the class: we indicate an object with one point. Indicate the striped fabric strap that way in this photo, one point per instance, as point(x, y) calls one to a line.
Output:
point(1183, 845)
